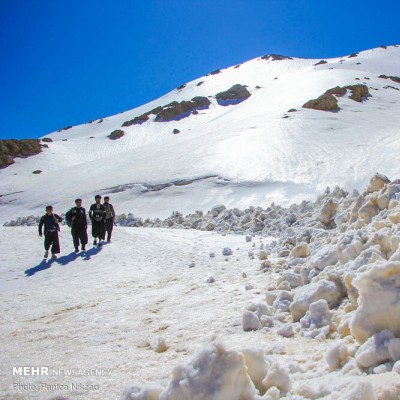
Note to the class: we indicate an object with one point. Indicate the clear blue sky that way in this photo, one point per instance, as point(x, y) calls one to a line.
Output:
point(68, 62)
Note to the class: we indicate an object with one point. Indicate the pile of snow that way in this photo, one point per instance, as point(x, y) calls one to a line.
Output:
point(339, 279)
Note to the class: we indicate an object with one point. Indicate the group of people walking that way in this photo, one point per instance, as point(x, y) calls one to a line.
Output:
point(102, 217)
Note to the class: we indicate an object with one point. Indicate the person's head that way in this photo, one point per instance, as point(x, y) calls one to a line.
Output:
point(106, 199)
point(49, 210)
point(97, 198)
point(78, 202)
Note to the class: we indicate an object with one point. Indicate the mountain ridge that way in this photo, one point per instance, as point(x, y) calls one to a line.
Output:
point(287, 155)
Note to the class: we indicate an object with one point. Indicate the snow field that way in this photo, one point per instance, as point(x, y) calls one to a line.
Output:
point(234, 316)
point(110, 308)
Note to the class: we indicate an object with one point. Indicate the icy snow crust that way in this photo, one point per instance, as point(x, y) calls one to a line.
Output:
point(310, 313)
point(240, 155)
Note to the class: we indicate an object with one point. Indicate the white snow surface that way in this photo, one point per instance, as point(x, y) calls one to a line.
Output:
point(238, 155)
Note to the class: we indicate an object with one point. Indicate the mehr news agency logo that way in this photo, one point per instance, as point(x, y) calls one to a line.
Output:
point(48, 371)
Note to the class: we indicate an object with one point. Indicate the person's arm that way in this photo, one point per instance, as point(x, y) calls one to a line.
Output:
point(40, 226)
point(113, 213)
point(58, 218)
point(85, 218)
point(91, 213)
point(104, 213)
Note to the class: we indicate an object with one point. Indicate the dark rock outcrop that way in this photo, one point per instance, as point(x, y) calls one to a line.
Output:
point(142, 118)
point(200, 83)
point(9, 149)
point(181, 87)
point(321, 62)
point(216, 72)
point(326, 102)
point(235, 95)
point(353, 55)
point(117, 134)
point(358, 92)
point(275, 57)
point(338, 91)
point(172, 111)
point(37, 171)
point(176, 111)
point(393, 78)
point(47, 140)
point(391, 87)
point(176, 131)
point(65, 128)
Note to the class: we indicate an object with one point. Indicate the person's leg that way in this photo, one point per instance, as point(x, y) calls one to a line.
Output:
point(83, 236)
point(55, 248)
point(109, 228)
point(95, 231)
point(103, 230)
point(75, 236)
point(47, 241)
point(47, 244)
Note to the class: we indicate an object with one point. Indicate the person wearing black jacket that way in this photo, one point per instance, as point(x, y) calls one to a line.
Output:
point(97, 215)
point(78, 225)
point(110, 217)
point(50, 222)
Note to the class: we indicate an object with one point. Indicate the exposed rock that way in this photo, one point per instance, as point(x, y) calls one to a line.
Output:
point(9, 149)
point(358, 92)
point(275, 57)
point(117, 134)
point(37, 171)
point(47, 140)
point(339, 91)
point(175, 111)
point(175, 131)
point(326, 102)
point(181, 87)
point(236, 94)
point(216, 72)
point(353, 55)
point(393, 78)
point(200, 83)
point(66, 128)
point(321, 62)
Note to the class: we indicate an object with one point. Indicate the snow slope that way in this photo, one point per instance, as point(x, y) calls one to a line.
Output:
point(237, 155)
point(108, 311)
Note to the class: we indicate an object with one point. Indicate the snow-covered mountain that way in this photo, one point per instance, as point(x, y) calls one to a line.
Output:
point(238, 150)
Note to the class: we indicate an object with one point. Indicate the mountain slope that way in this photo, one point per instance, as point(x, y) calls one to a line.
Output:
point(254, 152)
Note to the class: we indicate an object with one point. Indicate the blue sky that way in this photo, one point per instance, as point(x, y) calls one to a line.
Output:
point(68, 62)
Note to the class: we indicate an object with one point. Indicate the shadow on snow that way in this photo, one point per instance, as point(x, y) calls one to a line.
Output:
point(63, 260)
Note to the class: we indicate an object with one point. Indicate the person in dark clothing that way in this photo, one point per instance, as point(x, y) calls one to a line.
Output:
point(50, 222)
point(79, 225)
point(110, 217)
point(97, 215)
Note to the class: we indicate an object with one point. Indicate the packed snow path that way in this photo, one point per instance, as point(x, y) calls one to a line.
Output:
point(107, 309)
